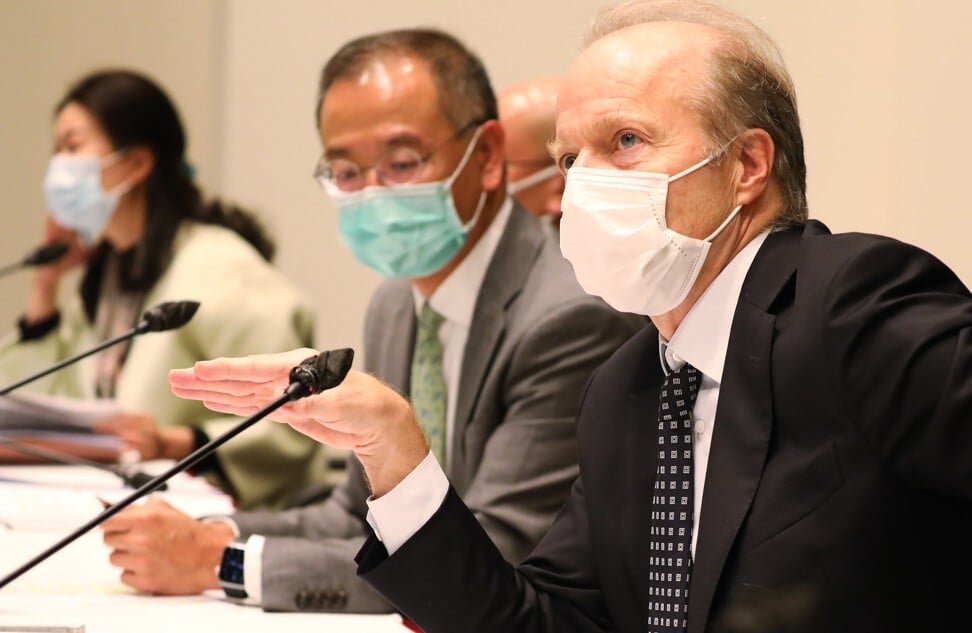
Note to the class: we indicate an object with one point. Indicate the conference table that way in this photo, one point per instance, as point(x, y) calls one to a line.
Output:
point(77, 590)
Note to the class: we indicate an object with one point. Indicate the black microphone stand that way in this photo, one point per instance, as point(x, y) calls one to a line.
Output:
point(45, 254)
point(68, 361)
point(314, 375)
point(165, 316)
point(9, 268)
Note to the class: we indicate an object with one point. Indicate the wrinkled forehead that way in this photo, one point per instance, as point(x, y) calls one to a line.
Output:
point(655, 60)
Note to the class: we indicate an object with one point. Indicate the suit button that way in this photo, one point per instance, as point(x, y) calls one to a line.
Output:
point(342, 599)
point(301, 600)
point(319, 600)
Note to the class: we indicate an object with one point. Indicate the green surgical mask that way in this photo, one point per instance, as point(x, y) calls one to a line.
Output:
point(408, 230)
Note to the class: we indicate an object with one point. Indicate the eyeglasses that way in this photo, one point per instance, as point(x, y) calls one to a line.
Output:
point(396, 166)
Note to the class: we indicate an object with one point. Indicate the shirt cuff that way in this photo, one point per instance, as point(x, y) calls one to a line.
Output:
point(397, 515)
point(253, 568)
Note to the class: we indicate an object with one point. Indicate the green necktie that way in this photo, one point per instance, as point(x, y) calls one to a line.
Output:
point(428, 383)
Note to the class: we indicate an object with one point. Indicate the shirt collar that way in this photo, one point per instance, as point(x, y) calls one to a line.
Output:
point(455, 298)
point(702, 337)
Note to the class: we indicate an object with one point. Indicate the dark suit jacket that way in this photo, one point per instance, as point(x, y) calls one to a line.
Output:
point(837, 496)
point(534, 340)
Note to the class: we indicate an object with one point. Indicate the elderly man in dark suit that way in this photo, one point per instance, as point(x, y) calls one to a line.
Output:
point(481, 324)
point(785, 448)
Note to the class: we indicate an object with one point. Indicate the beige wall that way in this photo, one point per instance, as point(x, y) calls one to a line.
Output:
point(884, 94)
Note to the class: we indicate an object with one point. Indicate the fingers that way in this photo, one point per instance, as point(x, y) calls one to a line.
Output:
point(196, 389)
point(150, 515)
point(258, 368)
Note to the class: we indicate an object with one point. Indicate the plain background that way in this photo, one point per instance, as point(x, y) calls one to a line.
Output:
point(884, 88)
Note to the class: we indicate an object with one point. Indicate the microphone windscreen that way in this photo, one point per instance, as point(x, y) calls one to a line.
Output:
point(324, 371)
point(137, 479)
point(47, 254)
point(167, 316)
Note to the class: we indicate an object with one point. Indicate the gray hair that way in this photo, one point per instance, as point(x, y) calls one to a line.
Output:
point(746, 86)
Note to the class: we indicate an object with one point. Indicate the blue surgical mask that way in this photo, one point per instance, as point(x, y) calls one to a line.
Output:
point(408, 230)
point(75, 197)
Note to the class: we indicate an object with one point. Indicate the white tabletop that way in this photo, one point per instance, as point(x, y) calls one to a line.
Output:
point(77, 586)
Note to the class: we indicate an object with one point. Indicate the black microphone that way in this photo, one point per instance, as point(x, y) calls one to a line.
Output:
point(132, 478)
point(165, 316)
point(314, 375)
point(43, 255)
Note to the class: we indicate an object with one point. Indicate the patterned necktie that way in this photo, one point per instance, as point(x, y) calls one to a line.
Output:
point(672, 505)
point(428, 389)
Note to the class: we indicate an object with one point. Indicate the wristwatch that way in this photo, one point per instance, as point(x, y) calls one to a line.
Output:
point(230, 571)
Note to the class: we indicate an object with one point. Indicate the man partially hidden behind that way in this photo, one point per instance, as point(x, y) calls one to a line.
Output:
point(527, 111)
point(481, 324)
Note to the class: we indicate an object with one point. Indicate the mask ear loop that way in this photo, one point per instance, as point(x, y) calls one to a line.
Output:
point(725, 222)
point(700, 165)
point(533, 179)
point(479, 209)
point(455, 174)
point(703, 162)
point(121, 188)
point(696, 166)
point(465, 158)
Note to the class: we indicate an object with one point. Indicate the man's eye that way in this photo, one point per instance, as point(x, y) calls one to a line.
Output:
point(345, 175)
point(399, 166)
point(566, 161)
point(628, 140)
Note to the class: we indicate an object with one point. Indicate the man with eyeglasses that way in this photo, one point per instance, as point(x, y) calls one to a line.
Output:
point(527, 110)
point(482, 325)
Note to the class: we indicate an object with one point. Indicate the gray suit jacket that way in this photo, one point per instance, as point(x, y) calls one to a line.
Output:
point(535, 339)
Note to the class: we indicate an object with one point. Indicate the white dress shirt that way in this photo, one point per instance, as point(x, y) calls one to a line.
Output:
point(701, 339)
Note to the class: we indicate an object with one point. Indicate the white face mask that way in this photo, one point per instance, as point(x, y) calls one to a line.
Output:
point(614, 234)
point(516, 186)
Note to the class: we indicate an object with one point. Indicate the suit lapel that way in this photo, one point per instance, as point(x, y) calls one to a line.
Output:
point(744, 421)
point(398, 341)
point(508, 270)
point(640, 426)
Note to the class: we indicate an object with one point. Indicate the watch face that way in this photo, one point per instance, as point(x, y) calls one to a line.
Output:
point(231, 567)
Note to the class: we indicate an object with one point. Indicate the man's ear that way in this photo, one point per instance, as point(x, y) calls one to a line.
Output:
point(489, 151)
point(140, 161)
point(754, 154)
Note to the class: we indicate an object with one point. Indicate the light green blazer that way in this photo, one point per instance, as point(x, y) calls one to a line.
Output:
point(246, 307)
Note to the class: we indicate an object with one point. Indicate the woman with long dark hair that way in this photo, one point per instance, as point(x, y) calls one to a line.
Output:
point(120, 191)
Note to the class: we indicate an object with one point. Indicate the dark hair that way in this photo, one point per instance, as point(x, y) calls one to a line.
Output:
point(464, 91)
point(134, 111)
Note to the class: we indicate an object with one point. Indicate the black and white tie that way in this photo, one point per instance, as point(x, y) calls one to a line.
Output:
point(672, 505)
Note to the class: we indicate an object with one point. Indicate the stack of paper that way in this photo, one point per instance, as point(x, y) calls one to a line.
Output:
point(56, 423)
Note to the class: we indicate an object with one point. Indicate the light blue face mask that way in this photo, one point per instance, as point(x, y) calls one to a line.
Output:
point(408, 230)
point(74, 196)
